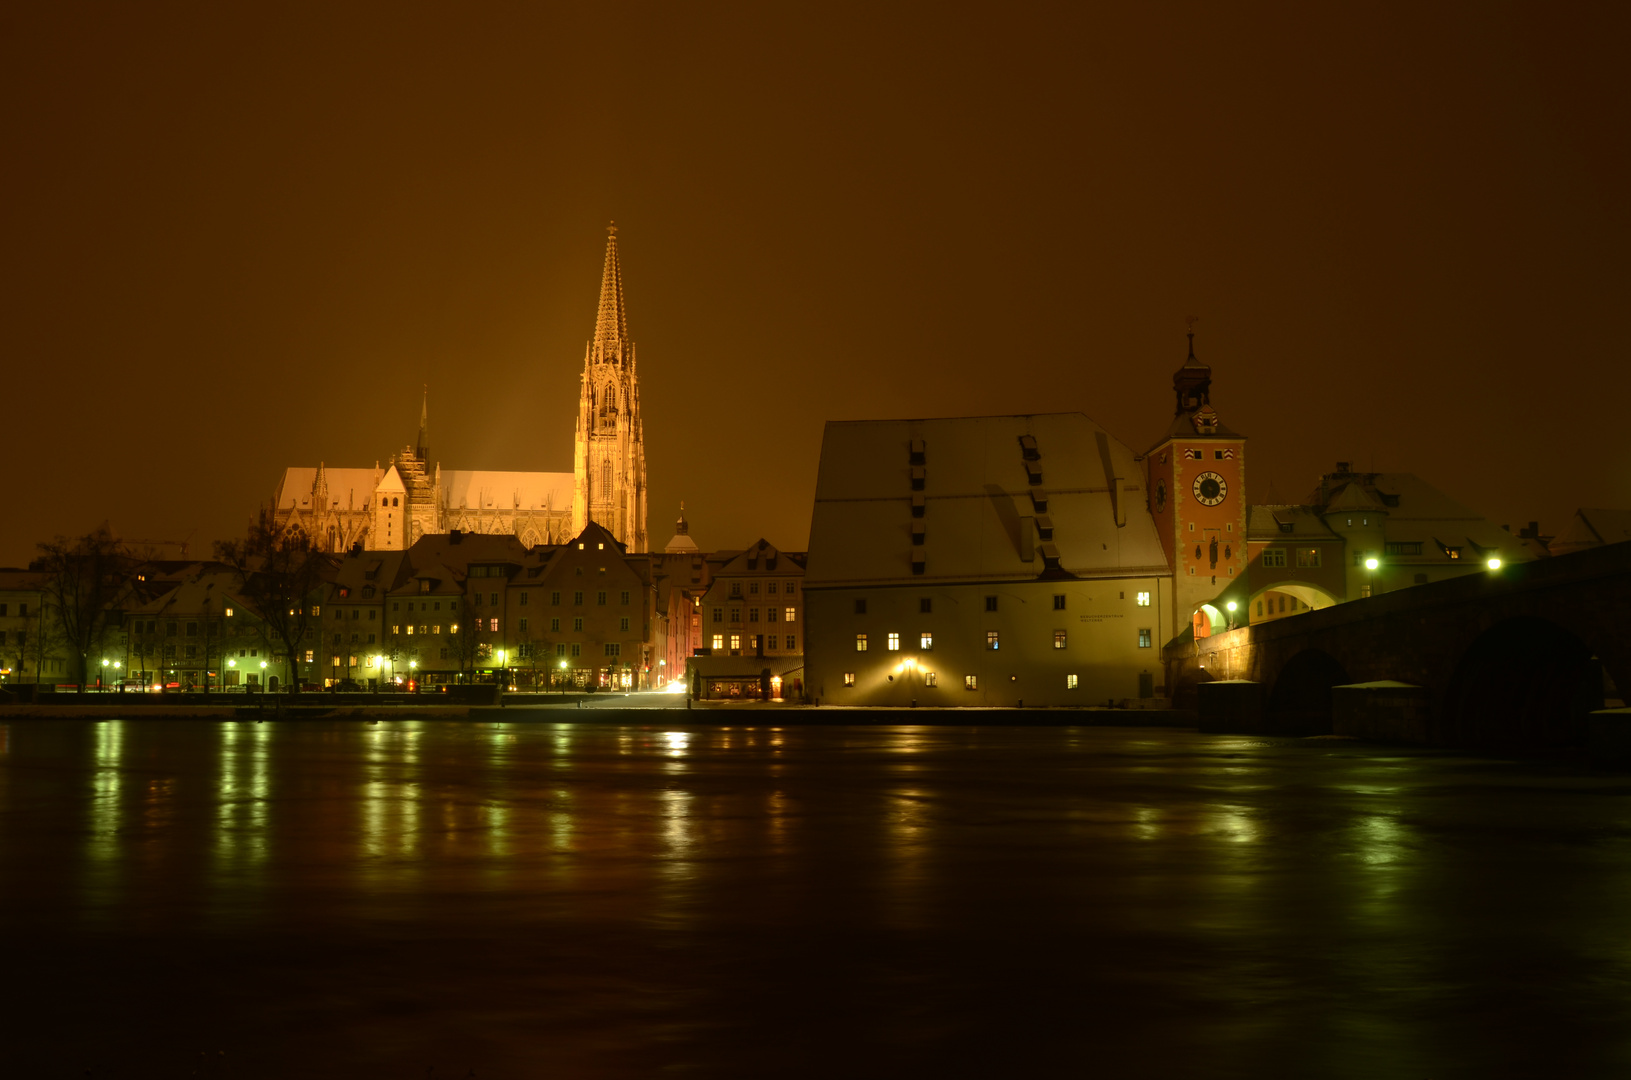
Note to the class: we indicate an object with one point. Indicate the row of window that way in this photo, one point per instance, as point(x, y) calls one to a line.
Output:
point(1308, 558)
point(770, 641)
point(22, 611)
point(993, 640)
point(925, 604)
point(970, 682)
point(788, 588)
point(787, 614)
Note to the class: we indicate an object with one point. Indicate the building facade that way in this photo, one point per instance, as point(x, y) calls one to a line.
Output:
point(390, 507)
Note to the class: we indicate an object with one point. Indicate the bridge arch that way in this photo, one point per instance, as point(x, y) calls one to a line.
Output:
point(1525, 682)
point(1310, 596)
point(1300, 700)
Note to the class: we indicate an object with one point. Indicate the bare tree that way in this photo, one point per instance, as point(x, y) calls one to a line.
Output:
point(83, 578)
point(468, 637)
point(279, 575)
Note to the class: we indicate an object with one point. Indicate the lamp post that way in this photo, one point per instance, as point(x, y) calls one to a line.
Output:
point(101, 687)
point(413, 676)
point(263, 676)
point(1231, 605)
point(1370, 567)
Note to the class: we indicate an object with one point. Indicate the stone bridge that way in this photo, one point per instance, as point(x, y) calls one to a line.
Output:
point(1517, 656)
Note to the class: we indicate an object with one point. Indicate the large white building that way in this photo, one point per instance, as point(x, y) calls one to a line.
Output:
point(387, 508)
point(983, 561)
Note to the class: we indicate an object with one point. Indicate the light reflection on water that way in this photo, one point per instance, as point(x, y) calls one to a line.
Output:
point(666, 880)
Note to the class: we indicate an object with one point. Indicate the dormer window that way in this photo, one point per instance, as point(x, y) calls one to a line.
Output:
point(1033, 472)
point(917, 478)
point(917, 506)
point(1044, 527)
point(1039, 501)
point(917, 452)
point(1027, 448)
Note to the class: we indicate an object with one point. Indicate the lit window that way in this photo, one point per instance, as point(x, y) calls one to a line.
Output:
point(991, 641)
point(1070, 682)
point(316, 609)
point(396, 628)
point(1144, 639)
point(308, 656)
point(894, 642)
point(1143, 599)
point(925, 640)
point(601, 546)
point(790, 614)
point(410, 628)
point(971, 682)
point(492, 624)
point(860, 643)
point(928, 678)
point(736, 642)
point(849, 678)
point(229, 613)
point(1059, 639)
point(1309, 558)
point(719, 641)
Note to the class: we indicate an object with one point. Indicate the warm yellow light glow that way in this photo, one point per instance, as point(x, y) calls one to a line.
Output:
point(675, 687)
point(1372, 564)
point(1495, 564)
point(1230, 605)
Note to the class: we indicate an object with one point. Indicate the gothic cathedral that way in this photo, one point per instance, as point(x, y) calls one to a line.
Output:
point(387, 509)
point(609, 459)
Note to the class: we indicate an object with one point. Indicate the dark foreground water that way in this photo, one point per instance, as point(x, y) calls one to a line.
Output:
point(527, 900)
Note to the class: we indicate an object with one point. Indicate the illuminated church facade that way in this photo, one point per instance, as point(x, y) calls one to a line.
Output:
point(388, 508)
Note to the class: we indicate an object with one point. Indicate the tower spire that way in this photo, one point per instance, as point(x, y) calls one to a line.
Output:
point(422, 448)
point(611, 323)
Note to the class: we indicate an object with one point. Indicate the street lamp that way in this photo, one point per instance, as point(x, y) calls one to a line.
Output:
point(1495, 564)
point(263, 676)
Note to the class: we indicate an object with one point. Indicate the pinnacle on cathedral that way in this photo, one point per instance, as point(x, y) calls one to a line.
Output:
point(609, 462)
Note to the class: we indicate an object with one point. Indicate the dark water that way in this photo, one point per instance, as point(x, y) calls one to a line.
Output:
point(525, 900)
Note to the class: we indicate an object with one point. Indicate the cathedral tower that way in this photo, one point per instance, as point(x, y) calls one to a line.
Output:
point(609, 461)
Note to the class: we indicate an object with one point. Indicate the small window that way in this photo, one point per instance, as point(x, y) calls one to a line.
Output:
point(577, 625)
point(719, 641)
point(849, 678)
point(753, 588)
point(925, 640)
point(622, 624)
point(1070, 682)
point(554, 626)
point(719, 615)
point(523, 599)
point(925, 605)
point(971, 682)
point(860, 643)
point(928, 678)
point(1059, 639)
point(1058, 601)
point(555, 599)
point(788, 614)
point(1144, 639)
point(736, 642)
point(600, 598)
point(991, 603)
point(1309, 558)
point(522, 626)
point(614, 648)
point(860, 606)
point(894, 642)
point(992, 641)
point(625, 597)
point(577, 598)
point(1143, 599)
point(1274, 557)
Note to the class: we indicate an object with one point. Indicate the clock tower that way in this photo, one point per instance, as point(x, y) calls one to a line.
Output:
point(1197, 488)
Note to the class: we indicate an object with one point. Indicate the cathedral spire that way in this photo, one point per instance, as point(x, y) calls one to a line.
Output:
point(611, 323)
point(422, 448)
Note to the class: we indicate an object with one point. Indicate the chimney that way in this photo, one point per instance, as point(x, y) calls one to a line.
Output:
point(455, 536)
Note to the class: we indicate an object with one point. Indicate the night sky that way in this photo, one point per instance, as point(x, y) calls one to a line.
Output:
point(239, 239)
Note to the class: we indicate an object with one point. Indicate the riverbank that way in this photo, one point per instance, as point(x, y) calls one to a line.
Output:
point(596, 709)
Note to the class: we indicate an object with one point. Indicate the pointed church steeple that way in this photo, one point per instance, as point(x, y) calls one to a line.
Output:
point(422, 447)
point(611, 322)
point(609, 463)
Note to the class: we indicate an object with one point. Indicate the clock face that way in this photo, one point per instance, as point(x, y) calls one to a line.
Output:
point(1160, 495)
point(1210, 489)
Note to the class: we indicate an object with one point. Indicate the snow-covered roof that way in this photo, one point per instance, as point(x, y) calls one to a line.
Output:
point(980, 520)
point(482, 489)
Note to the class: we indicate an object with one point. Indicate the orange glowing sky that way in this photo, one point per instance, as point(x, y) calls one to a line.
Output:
point(239, 239)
